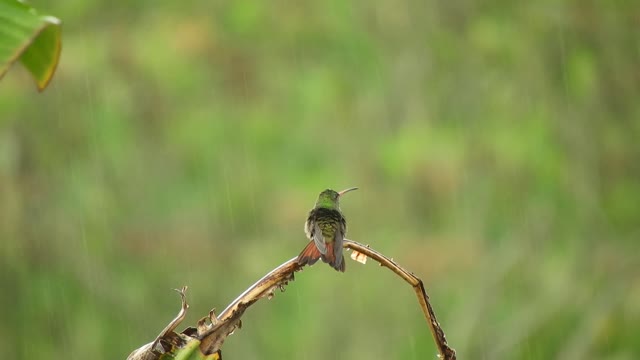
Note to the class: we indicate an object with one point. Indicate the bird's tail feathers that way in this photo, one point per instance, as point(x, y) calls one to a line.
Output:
point(309, 255)
point(335, 260)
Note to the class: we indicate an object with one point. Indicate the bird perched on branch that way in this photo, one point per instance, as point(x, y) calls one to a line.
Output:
point(326, 227)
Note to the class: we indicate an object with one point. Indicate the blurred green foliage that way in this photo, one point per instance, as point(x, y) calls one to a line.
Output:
point(182, 143)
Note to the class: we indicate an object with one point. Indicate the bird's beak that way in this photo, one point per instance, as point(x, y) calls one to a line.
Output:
point(346, 191)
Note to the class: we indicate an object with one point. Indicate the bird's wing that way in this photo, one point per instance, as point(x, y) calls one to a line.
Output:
point(337, 244)
point(318, 238)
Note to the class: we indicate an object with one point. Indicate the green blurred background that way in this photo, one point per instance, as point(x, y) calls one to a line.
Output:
point(496, 147)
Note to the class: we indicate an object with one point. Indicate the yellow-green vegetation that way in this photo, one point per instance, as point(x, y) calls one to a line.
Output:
point(495, 146)
point(31, 38)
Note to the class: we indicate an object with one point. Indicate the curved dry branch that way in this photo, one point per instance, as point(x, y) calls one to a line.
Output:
point(229, 319)
point(212, 330)
point(444, 350)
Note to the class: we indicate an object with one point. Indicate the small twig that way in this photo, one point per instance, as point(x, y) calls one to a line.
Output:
point(178, 319)
point(166, 338)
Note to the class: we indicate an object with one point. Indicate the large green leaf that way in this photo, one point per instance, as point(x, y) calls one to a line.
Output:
point(32, 38)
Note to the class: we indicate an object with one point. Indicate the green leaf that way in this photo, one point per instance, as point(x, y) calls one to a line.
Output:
point(33, 39)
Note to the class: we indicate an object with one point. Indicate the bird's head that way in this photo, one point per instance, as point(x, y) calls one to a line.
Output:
point(330, 199)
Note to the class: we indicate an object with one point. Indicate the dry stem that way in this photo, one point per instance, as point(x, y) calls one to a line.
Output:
point(445, 352)
point(212, 330)
point(229, 319)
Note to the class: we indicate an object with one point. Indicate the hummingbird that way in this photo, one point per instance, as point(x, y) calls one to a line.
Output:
point(326, 227)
